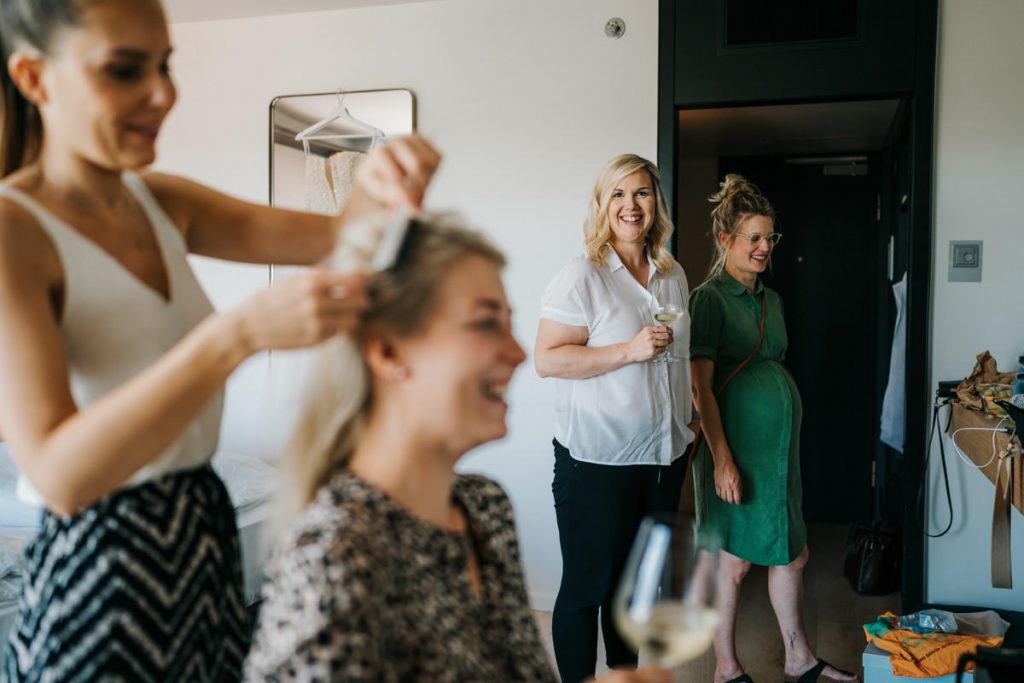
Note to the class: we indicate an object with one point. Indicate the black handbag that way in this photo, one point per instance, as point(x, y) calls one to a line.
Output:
point(871, 561)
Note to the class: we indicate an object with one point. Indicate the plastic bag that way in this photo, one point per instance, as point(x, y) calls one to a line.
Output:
point(987, 623)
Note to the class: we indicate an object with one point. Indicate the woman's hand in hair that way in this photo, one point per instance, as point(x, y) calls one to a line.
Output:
point(398, 173)
point(644, 675)
point(648, 342)
point(302, 310)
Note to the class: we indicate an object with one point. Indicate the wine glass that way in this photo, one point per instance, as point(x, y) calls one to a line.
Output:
point(667, 306)
point(664, 605)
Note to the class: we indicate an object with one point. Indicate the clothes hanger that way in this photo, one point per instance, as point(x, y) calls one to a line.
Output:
point(342, 115)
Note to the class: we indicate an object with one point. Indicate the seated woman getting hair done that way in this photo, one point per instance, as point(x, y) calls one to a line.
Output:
point(394, 568)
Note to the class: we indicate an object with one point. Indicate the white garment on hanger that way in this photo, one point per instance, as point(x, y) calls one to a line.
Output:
point(893, 404)
point(343, 174)
point(329, 181)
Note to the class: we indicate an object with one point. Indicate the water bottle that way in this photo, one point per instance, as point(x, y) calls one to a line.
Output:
point(927, 621)
point(1018, 386)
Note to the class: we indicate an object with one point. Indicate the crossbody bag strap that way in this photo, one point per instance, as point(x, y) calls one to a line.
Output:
point(1002, 562)
point(738, 369)
point(750, 357)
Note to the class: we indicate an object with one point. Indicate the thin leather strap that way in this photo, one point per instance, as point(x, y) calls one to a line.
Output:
point(1002, 569)
point(735, 372)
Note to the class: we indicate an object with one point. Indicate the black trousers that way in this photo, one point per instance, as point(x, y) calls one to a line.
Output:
point(599, 509)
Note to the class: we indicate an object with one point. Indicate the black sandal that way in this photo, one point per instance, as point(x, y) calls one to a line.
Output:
point(812, 674)
point(742, 678)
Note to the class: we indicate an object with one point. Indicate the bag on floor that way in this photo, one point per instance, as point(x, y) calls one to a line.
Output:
point(871, 561)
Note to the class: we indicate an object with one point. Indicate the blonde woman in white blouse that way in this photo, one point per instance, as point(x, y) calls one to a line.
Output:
point(622, 423)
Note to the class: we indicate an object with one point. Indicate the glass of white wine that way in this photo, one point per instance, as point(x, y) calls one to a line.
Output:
point(664, 605)
point(667, 306)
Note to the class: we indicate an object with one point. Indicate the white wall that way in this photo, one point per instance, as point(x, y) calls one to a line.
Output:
point(979, 182)
point(526, 98)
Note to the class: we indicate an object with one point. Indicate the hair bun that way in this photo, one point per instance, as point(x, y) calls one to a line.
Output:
point(733, 186)
point(736, 200)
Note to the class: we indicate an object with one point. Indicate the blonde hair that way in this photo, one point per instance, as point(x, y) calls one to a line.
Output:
point(597, 231)
point(737, 200)
point(339, 387)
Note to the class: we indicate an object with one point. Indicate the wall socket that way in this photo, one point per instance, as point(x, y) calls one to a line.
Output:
point(946, 388)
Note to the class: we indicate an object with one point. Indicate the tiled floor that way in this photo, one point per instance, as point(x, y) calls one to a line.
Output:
point(833, 615)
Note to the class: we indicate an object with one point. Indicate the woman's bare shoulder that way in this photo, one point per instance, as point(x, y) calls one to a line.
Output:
point(25, 248)
point(176, 195)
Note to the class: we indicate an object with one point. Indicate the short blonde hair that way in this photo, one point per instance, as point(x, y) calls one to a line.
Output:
point(597, 231)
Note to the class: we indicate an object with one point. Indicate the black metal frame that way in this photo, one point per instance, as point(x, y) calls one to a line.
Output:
point(918, 391)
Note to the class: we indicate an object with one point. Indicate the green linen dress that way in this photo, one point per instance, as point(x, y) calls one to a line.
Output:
point(761, 415)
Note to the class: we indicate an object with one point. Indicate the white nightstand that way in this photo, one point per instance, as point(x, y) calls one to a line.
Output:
point(878, 670)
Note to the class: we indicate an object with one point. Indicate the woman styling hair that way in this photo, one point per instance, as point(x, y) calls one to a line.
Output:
point(113, 360)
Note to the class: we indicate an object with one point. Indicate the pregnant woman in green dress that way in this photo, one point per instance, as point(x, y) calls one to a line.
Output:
point(747, 472)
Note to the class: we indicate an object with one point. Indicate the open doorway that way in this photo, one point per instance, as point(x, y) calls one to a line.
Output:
point(837, 175)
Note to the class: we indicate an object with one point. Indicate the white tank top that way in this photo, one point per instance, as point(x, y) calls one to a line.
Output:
point(114, 326)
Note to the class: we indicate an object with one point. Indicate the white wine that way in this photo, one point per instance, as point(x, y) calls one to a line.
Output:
point(667, 317)
point(672, 633)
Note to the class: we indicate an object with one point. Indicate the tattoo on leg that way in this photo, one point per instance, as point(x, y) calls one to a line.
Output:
point(792, 639)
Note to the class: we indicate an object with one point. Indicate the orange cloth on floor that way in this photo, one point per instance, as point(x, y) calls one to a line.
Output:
point(922, 655)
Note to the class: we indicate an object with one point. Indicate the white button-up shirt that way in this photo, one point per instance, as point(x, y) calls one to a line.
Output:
point(637, 414)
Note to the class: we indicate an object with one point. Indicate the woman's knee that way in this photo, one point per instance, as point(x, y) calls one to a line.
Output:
point(732, 568)
point(800, 561)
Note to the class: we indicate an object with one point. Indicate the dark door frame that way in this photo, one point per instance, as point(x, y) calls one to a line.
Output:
point(919, 272)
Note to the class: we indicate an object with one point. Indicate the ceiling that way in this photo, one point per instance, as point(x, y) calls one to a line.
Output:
point(207, 10)
point(829, 128)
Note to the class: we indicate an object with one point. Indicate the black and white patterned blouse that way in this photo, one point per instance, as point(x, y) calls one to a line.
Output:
point(363, 591)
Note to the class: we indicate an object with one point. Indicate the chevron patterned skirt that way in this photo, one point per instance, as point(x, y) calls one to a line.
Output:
point(146, 585)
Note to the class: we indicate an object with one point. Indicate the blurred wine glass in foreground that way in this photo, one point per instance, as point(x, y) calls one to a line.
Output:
point(664, 605)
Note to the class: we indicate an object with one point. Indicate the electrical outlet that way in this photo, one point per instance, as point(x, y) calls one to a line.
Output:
point(965, 261)
point(946, 388)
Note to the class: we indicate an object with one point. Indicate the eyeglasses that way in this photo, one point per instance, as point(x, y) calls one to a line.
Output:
point(755, 239)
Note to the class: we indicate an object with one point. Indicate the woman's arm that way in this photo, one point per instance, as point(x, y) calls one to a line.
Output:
point(727, 477)
point(217, 225)
point(561, 350)
point(75, 457)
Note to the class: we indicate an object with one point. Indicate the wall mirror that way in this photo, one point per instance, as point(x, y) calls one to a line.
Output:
point(313, 176)
point(295, 175)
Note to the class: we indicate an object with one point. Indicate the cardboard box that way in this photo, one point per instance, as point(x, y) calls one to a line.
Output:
point(877, 669)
